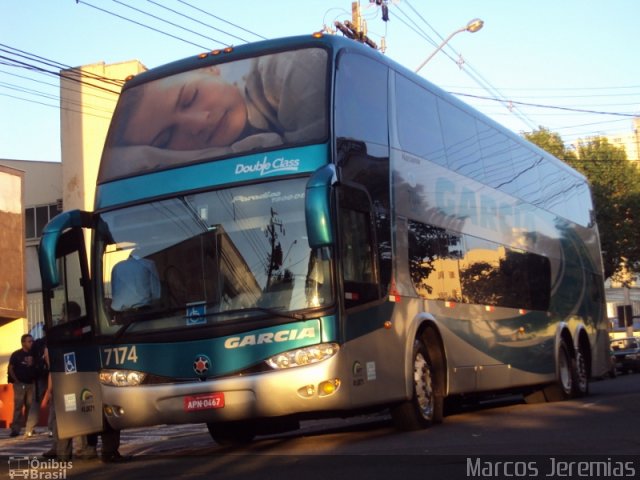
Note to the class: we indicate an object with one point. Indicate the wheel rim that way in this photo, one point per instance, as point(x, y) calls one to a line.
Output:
point(565, 372)
point(581, 370)
point(424, 386)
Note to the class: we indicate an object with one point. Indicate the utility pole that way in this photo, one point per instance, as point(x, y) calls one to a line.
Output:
point(275, 257)
point(356, 29)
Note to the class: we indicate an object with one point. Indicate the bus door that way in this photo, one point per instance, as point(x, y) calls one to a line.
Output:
point(70, 327)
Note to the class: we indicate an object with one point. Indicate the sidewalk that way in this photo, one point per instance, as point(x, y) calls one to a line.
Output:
point(133, 441)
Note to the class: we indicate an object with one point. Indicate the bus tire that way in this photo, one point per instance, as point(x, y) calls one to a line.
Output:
point(563, 387)
point(581, 374)
point(232, 433)
point(425, 408)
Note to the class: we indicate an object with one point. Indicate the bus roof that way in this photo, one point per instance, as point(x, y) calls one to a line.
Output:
point(334, 43)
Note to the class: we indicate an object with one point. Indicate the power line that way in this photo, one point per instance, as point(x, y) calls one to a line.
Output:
point(222, 19)
point(202, 47)
point(54, 106)
point(170, 23)
point(21, 64)
point(50, 96)
point(622, 87)
point(417, 28)
point(426, 23)
point(57, 86)
point(196, 20)
point(537, 105)
point(53, 63)
point(475, 74)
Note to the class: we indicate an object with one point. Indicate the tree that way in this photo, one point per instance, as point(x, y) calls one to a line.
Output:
point(552, 143)
point(615, 185)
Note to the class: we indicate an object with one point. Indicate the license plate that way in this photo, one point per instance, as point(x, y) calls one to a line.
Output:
point(205, 401)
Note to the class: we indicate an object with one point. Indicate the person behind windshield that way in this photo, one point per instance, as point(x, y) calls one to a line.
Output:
point(134, 283)
point(70, 311)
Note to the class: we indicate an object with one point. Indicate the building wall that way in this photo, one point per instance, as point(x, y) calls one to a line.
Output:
point(12, 269)
point(43, 180)
point(630, 141)
point(84, 131)
point(43, 186)
point(71, 183)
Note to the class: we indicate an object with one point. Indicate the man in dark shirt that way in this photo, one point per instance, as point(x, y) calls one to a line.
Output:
point(22, 373)
point(39, 385)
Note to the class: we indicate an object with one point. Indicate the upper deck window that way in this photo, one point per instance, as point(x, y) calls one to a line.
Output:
point(248, 105)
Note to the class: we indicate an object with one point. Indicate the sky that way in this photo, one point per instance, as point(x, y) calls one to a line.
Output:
point(568, 65)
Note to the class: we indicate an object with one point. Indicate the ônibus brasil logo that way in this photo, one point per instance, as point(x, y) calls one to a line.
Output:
point(33, 467)
point(267, 167)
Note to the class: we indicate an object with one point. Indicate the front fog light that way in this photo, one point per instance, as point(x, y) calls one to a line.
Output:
point(328, 387)
point(303, 356)
point(306, 391)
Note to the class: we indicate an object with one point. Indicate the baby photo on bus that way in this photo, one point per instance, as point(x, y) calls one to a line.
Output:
point(234, 107)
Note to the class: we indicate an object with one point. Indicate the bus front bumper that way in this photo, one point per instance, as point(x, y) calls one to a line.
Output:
point(268, 394)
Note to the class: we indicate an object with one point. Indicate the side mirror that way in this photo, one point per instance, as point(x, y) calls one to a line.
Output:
point(317, 206)
point(47, 253)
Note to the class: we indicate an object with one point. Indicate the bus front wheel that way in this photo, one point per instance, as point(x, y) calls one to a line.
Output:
point(425, 408)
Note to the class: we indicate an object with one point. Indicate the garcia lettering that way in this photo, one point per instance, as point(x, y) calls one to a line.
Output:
point(270, 337)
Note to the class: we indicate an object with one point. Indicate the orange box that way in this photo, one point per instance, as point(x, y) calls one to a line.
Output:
point(6, 408)
point(6, 405)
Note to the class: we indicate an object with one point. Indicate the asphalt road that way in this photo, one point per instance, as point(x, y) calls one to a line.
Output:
point(541, 439)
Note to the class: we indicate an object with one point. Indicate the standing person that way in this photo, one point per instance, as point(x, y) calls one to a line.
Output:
point(61, 449)
point(22, 374)
point(39, 384)
point(110, 446)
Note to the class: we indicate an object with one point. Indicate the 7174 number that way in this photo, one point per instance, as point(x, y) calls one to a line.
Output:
point(118, 355)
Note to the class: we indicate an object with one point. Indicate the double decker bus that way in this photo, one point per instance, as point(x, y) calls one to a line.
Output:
point(302, 227)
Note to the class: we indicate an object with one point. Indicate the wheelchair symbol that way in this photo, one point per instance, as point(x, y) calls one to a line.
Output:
point(196, 314)
point(70, 363)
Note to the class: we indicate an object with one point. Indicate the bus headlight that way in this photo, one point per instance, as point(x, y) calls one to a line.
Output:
point(121, 378)
point(303, 356)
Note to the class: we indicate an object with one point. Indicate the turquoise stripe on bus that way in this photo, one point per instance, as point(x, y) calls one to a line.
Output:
point(268, 165)
point(226, 355)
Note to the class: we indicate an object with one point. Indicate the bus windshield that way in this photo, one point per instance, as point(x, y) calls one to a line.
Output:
point(206, 258)
point(214, 111)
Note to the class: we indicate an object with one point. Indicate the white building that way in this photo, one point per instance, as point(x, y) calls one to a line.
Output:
point(50, 187)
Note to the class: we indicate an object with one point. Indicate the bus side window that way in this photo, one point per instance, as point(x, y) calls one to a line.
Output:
point(359, 260)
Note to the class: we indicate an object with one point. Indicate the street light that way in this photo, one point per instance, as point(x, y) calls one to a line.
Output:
point(473, 26)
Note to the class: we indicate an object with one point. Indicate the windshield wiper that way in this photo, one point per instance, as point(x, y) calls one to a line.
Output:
point(269, 311)
point(142, 317)
point(155, 315)
point(273, 311)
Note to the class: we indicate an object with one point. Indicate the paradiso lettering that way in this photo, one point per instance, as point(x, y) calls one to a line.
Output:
point(266, 167)
point(270, 337)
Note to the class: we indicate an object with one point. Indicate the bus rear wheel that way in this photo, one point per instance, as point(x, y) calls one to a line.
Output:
point(232, 433)
point(563, 387)
point(581, 374)
point(425, 408)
